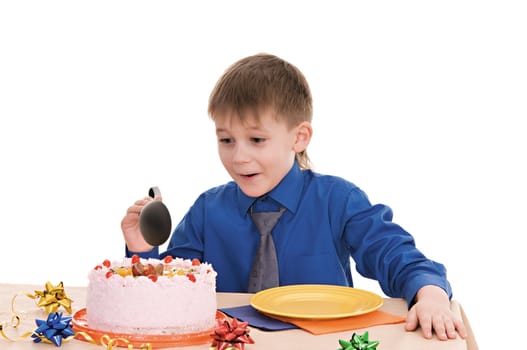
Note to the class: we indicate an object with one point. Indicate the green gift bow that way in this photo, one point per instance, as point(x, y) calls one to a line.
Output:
point(358, 342)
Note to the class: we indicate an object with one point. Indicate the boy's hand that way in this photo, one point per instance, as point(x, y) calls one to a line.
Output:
point(130, 227)
point(432, 312)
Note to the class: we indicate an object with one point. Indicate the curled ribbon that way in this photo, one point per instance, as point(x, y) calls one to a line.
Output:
point(110, 343)
point(15, 322)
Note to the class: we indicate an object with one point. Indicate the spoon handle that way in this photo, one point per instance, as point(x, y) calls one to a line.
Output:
point(154, 192)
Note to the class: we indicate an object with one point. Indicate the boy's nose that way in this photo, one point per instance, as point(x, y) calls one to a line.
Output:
point(240, 154)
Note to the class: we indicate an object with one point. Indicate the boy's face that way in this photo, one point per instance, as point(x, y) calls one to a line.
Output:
point(257, 153)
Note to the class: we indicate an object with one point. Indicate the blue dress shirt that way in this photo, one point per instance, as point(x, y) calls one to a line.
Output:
point(327, 221)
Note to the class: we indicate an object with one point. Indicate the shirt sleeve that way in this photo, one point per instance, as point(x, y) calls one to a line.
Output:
point(384, 251)
point(187, 239)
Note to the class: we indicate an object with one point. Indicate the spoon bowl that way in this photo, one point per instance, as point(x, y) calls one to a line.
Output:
point(155, 222)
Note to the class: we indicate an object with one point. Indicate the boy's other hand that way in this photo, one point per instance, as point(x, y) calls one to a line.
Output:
point(432, 312)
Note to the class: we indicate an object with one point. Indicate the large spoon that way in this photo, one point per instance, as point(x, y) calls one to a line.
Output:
point(154, 220)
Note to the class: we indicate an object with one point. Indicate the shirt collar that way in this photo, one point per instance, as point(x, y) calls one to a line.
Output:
point(287, 192)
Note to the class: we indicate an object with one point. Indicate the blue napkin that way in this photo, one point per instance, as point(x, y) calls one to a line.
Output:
point(256, 319)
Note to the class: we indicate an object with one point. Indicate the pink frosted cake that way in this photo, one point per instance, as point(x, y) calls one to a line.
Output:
point(151, 296)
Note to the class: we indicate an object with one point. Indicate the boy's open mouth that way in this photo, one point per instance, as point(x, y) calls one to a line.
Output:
point(249, 175)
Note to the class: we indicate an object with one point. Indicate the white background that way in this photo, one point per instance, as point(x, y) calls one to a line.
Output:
point(419, 103)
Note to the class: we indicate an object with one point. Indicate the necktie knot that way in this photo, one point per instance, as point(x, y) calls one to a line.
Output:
point(265, 221)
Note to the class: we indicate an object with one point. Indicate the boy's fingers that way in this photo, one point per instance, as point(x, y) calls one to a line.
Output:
point(411, 320)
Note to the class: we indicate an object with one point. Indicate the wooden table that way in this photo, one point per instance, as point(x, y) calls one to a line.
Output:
point(391, 337)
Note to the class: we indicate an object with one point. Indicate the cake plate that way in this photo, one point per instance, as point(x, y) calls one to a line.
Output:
point(81, 328)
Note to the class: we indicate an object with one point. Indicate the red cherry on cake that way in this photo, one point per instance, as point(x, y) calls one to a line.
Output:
point(153, 278)
point(135, 259)
point(168, 259)
point(195, 262)
point(106, 263)
point(191, 277)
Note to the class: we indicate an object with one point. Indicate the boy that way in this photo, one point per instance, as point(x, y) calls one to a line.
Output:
point(262, 109)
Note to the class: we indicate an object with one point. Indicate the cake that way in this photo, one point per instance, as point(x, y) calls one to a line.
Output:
point(152, 296)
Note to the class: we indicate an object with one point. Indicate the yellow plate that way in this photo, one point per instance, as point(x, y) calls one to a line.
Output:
point(316, 301)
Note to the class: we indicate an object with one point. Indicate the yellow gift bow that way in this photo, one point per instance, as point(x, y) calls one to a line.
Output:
point(52, 298)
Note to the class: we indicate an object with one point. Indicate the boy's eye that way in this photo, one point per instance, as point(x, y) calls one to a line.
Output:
point(225, 140)
point(257, 139)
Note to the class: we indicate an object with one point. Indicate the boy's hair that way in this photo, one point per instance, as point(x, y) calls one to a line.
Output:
point(261, 82)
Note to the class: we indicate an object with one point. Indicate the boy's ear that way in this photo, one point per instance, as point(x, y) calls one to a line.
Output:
point(304, 131)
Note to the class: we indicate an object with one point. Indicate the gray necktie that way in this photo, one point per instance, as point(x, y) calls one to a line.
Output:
point(264, 272)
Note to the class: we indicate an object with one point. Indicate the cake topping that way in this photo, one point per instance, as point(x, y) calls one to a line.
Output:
point(154, 268)
point(138, 269)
